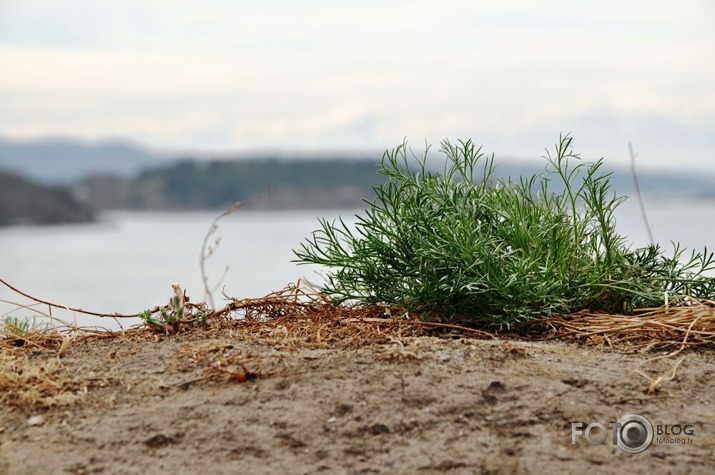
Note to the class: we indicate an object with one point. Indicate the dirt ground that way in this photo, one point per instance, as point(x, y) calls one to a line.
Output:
point(183, 404)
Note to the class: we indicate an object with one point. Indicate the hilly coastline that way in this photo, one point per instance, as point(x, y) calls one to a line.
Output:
point(267, 183)
point(25, 202)
point(52, 181)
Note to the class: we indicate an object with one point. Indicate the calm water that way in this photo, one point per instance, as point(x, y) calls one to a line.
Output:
point(128, 261)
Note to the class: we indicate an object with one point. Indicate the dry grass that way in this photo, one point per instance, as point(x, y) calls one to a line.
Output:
point(671, 329)
point(293, 318)
point(25, 382)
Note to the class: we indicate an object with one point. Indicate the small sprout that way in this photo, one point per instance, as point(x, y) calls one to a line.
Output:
point(201, 319)
point(146, 317)
point(172, 316)
point(17, 327)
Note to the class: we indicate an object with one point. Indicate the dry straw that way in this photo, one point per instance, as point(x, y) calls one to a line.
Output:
point(664, 329)
point(299, 316)
point(296, 318)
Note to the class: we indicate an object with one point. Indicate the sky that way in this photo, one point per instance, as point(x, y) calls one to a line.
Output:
point(315, 75)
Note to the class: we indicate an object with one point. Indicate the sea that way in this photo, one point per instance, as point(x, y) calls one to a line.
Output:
point(127, 261)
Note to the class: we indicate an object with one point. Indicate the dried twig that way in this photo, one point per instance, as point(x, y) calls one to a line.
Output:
point(71, 309)
point(208, 250)
point(638, 193)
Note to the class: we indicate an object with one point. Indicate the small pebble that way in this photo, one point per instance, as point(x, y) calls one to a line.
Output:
point(36, 421)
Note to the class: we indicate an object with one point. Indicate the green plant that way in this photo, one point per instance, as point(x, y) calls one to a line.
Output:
point(170, 317)
point(18, 327)
point(464, 245)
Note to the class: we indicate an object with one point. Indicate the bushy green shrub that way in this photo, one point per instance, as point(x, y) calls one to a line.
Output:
point(464, 245)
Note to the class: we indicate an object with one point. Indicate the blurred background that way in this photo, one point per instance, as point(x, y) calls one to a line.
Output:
point(140, 121)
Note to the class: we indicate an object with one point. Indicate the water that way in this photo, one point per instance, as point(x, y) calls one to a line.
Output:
point(128, 261)
point(689, 222)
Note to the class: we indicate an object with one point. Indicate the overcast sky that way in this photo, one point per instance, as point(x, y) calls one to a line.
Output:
point(317, 75)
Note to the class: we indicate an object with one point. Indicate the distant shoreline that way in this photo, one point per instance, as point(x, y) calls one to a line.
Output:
point(25, 202)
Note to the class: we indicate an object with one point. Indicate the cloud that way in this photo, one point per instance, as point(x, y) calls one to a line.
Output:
point(234, 74)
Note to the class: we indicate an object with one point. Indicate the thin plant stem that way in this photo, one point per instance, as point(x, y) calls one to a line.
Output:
point(638, 193)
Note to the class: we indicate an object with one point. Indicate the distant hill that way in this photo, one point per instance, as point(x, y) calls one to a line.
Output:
point(25, 202)
point(53, 161)
point(266, 183)
point(120, 175)
point(269, 183)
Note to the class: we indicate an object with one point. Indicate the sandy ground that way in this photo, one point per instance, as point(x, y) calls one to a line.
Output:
point(414, 405)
